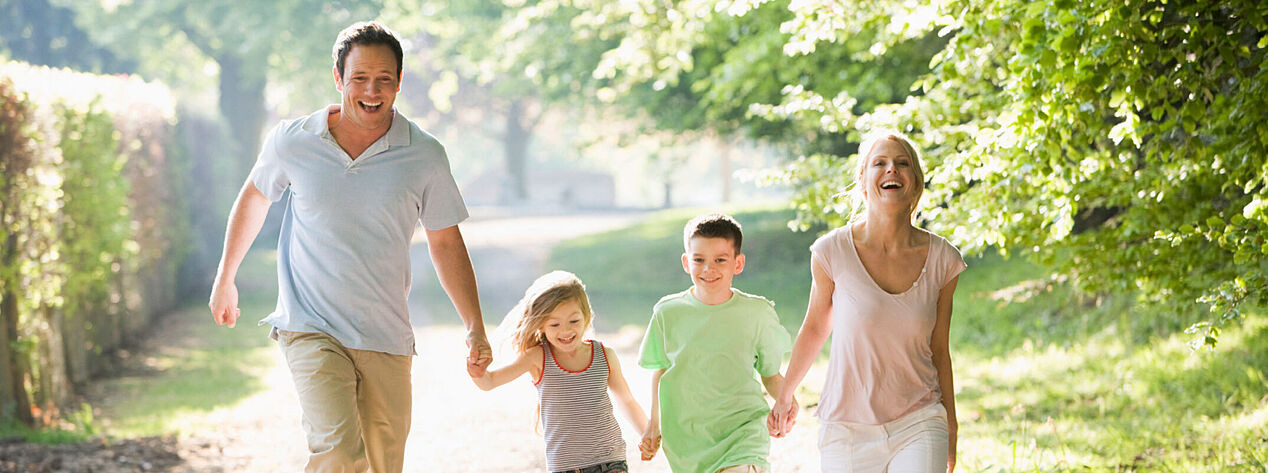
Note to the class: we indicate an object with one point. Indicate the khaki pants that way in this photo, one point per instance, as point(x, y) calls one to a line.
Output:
point(356, 403)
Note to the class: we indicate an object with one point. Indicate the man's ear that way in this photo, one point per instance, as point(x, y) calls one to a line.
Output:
point(338, 80)
point(739, 263)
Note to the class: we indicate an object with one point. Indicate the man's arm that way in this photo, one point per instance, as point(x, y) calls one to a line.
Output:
point(457, 277)
point(245, 221)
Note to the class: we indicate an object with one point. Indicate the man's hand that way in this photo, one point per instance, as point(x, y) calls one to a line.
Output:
point(650, 443)
point(480, 356)
point(782, 417)
point(224, 304)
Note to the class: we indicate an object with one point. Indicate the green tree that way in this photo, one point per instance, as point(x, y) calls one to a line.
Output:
point(37, 32)
point(251, 44)
point(1118, 141)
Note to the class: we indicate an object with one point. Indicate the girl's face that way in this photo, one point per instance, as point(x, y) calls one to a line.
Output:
point(565, 326)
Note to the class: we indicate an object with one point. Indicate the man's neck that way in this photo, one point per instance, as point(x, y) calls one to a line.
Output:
point(352, 138)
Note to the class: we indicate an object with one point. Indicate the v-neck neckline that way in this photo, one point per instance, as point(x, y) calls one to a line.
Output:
point(849, 231)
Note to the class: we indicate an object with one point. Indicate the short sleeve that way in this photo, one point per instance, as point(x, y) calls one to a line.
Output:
point(268, 174)
point(952, 262)
point(442, 205)
point(773, 342)
point(821, 251)
point(651, 354)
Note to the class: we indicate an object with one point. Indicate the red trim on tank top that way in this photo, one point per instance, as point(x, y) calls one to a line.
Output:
point(566, 370)
point(543, 373)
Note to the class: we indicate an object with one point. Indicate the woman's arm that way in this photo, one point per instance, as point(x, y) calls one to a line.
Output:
point(529, 361)
point(941, 347)
point(621, 392)
point(810, 339)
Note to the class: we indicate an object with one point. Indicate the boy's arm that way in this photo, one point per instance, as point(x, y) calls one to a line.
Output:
point(529, 361)
point(621, 390)
point(651, 435)
point(774, 384)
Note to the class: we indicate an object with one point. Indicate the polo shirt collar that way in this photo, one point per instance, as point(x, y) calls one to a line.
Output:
point(397, 134)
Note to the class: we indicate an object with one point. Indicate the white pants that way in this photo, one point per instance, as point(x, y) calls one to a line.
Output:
point(914, 443)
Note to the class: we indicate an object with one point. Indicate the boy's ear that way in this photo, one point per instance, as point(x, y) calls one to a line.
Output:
point(739, 263)
point(685, 268)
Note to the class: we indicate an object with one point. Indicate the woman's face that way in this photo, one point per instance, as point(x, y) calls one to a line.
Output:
point(888, 178)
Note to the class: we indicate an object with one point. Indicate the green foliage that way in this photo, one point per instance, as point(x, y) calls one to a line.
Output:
point(94, 226)
point(1118, 142)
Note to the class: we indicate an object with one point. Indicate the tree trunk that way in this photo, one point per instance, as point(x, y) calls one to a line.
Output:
point(724, 167)
point(242, 104)
point(515, 147)
point(14, 398)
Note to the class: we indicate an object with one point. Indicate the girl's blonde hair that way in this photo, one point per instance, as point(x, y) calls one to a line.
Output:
point(543, 296)
point(855, 192)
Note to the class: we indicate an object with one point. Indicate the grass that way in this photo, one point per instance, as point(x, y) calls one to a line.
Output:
point(1047, 379)
point(213, 367)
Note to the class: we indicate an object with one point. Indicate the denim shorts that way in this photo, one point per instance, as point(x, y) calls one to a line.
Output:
point(609, 467)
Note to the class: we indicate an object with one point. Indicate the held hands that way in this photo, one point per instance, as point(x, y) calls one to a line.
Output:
point(480, 356)
point(782, 417)
point(224, 303)
point(650, 443)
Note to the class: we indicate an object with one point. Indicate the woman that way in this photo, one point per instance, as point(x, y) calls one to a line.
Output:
point(884, 287)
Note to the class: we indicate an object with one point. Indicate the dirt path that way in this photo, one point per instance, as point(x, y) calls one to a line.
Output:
point(456, 427)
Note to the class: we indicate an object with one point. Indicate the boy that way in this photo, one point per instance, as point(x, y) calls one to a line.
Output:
point(705, 343)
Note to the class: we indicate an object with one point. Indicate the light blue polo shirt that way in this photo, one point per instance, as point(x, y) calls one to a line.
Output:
point(343, 264)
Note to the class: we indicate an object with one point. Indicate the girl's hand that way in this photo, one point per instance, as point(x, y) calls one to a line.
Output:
point(782, 417)
point(650, 443)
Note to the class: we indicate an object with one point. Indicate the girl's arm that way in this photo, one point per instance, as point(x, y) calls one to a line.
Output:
point(941, 347)
point(651, 435)
point(810, 339)
point(528, 362)
point(621, 391)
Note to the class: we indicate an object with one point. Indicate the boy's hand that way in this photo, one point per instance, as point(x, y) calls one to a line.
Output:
point(782, 417)
point(650, 443)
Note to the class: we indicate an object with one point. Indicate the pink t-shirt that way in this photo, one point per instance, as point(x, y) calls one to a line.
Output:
point(881, 363)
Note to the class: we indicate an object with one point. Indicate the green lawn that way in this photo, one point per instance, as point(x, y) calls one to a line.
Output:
point(1047, 380)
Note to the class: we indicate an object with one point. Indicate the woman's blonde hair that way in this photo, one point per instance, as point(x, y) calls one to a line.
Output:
point(545, 294)
point(855, 192)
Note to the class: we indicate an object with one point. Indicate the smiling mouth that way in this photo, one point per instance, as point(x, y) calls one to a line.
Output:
point(567, 340)
point(370, 106)
point(891, 185)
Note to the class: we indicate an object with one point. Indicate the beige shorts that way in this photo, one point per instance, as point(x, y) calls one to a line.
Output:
point(356, 403)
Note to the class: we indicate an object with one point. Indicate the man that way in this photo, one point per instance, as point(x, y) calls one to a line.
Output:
point(361, 176)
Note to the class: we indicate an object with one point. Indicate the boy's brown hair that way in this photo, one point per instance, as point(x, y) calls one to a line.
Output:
point(714, 225)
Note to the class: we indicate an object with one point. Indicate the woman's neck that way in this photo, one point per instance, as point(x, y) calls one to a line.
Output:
point(887, 231)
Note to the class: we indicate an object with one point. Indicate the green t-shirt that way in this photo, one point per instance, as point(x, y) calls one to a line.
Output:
point(712, 410)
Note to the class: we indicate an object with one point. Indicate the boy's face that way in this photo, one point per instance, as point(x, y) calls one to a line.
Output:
point(712, 263)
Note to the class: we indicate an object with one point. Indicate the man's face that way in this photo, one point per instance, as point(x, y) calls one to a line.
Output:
point(369, 85)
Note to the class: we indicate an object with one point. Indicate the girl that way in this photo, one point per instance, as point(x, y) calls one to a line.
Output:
point(884, 289)
point(573, 376)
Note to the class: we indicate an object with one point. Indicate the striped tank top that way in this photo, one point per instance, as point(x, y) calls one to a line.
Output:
point(577, 418)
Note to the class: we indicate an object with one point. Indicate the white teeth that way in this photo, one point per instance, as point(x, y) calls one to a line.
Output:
point(891, 185)
point(368, 104)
